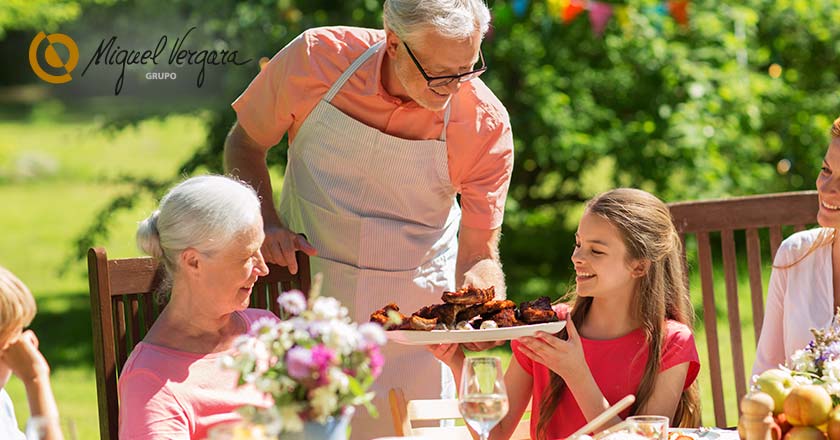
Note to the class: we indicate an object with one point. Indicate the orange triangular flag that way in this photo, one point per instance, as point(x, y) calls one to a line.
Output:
point(679, 10)
point(574, 8)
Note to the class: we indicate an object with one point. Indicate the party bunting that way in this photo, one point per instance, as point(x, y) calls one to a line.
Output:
point(556, 7)
point(574, 8)
point(601, 12)
point(679, 10)
point(520, 7)
point(599, 16)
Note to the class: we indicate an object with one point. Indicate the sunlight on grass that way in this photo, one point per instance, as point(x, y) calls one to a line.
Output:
point(49, 211)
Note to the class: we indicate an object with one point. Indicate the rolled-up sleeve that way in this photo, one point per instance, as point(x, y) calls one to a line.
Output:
point(266, 108)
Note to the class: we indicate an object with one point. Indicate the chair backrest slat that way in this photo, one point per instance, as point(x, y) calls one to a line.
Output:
point(778, 214)
point(148, 312)
point(259, 292)
point(123, 308)
point(730, 269)
point(134, 319)
point(119, 319)
point(756, 287)
point(273, 294)
point(704, 256)
point(775, 240)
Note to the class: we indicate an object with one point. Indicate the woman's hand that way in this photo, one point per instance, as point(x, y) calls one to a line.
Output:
point(562, 357)
point(450, 354)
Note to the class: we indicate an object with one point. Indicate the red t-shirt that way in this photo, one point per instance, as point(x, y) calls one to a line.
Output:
point(617, 366)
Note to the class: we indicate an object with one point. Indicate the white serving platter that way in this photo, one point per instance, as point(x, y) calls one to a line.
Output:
point(417, 337)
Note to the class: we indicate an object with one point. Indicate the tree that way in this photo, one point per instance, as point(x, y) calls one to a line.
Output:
point(713, 109)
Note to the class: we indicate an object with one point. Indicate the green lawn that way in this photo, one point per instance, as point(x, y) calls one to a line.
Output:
point(49, 186)
point(50, 183)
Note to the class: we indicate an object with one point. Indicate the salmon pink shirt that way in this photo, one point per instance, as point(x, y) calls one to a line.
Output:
point(617, 366)
point(479, 140)
point(172, 394)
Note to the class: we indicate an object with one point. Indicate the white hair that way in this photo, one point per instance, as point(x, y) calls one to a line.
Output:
point(450, 18)
point(205, 213)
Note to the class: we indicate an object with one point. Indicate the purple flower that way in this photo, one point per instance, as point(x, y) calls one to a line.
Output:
point(292, 302)
point(322, 359)
point(299, 362)
point(833, 350)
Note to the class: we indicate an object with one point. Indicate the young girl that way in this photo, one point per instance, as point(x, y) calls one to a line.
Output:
point(628, 331)
point(19, 355)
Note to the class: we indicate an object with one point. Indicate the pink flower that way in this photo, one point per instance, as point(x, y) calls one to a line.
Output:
point(322, 359)
point(376, 360)
point(299, 362)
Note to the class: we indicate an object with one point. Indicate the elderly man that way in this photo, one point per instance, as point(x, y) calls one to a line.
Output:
point(386, 128)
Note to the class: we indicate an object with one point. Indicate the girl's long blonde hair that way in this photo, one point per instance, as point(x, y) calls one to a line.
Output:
point(826, 235)
point(649, 234)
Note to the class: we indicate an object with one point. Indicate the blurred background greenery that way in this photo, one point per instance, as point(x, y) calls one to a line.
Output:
point(737, 102)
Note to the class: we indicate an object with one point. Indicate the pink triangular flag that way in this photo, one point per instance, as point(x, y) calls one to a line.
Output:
point(599, 16)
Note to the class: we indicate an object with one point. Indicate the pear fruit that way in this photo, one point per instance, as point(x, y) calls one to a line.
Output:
point(777, 383)
point(807, 405)
point(833, 428)
point(804, 433)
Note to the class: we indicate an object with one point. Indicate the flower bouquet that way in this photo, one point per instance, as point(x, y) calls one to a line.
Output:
point(819, 362)
point(805, 391)
point(314, 362)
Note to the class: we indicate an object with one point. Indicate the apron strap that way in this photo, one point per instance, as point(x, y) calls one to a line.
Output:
point(339, 83)
point(350, 71)
point(446, 120)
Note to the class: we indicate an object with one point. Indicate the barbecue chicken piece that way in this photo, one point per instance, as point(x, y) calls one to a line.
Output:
point(418, 323)
point(537, 311)
point(381, 317)
point(445, 313)
point(469, 296)
point(505, 318)
point(486, 309)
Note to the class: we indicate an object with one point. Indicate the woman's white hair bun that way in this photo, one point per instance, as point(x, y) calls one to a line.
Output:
point(148, 237)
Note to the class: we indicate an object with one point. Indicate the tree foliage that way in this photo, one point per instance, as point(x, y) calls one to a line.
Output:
point(685, 112)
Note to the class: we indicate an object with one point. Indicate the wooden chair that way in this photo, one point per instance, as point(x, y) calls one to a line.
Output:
point(404, 412)
point(707, 219)
point(123, 309)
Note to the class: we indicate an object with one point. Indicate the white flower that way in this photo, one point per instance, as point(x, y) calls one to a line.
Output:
point(328, 308)
point(373, 333)
point(341, 337)
point(802, 360)
point(264, 327)
point(338, 380)
point(289, 414)
point(292, 302)
point(324, 402)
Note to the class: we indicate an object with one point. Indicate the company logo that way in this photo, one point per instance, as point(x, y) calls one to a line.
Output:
point(53, 58)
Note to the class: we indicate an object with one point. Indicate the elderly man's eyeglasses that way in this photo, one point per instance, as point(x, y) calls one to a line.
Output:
point(441, 81)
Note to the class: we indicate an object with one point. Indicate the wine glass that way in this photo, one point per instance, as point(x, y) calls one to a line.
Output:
point(652, 427)
point(482, 398)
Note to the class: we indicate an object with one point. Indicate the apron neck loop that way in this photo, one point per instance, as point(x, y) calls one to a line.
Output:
point(351, 70)
point(339, 83)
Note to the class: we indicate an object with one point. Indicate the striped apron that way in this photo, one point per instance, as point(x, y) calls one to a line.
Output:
point(381, 211)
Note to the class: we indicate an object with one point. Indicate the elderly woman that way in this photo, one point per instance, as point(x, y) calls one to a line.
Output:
point(207, 233)
point(804, 289)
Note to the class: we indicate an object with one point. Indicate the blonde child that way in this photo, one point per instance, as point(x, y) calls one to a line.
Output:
point(19, 355)
point(629, 330)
